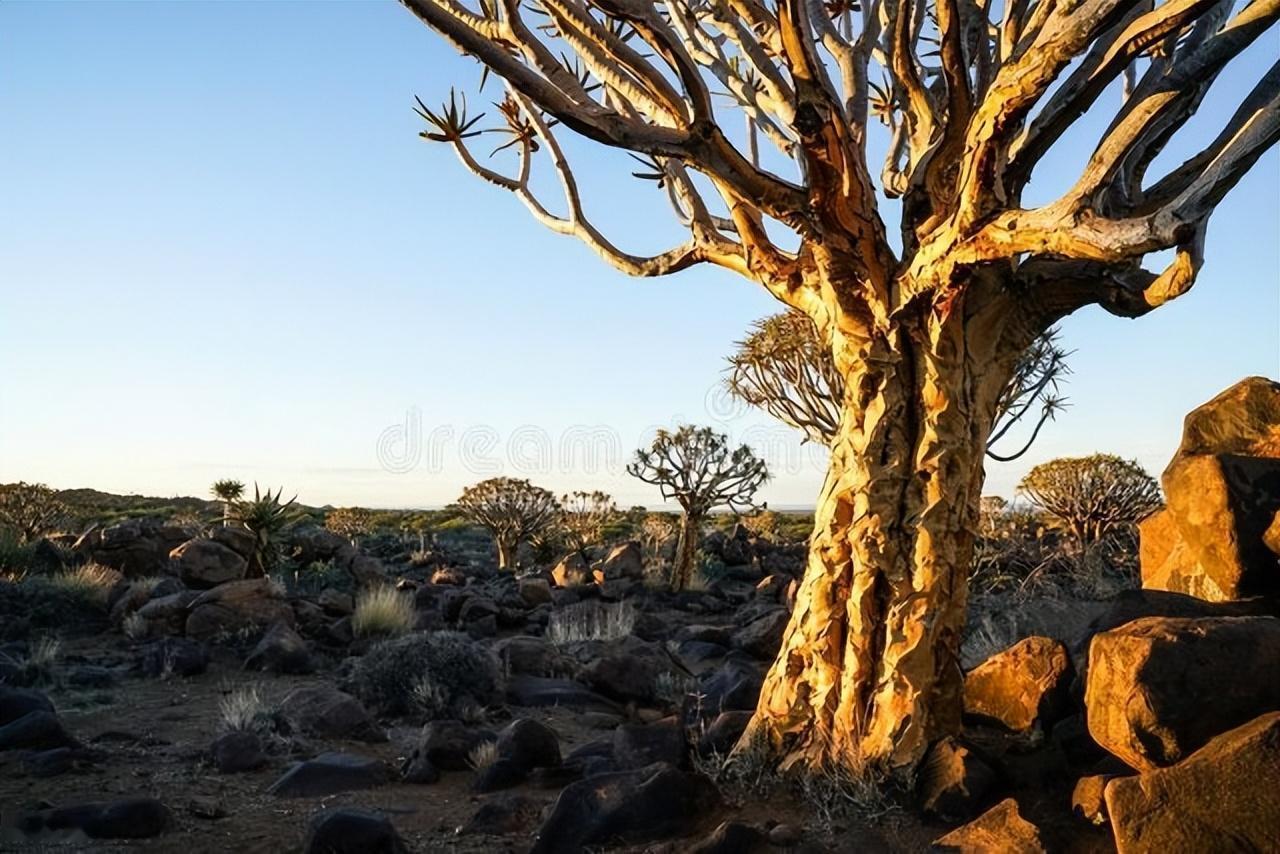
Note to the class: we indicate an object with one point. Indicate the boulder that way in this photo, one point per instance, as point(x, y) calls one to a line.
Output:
point(623, 561)
point(531, 656)
point(640, 745)
point(529, 744)
point(326, 712)
point(572, 571)
point(352, 831)
point(503, 815)
point(246, 605)
point(447, 745)
point(627, 807)
point(174, 656)
point(237, 751)
point(1223, 493)
point(953, 781)
point(1159, 688)
point(762, 637)
point(1027, 683)
point(328, 774)
point(167, 615)
point(38, 730)
point(539, 691)
point(131, 818)
point(17, 702)
point(136, 547)
point(1001, 828)
point(1223, 797)
point(281, 650)
point(203, 563)
point(534, 591)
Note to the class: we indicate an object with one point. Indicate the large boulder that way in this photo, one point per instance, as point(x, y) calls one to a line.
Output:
point(326, 712)
point(352, 831)
point(329, 774)
point(249, 604)
point(1001, 828)
point(1223, 493)
point(572, 571)
point(1160, 687)
point(623, 561)
point(136, 547)
point(203, 563)
point(652, 803)
point(1028, 682)
point(1223, 797)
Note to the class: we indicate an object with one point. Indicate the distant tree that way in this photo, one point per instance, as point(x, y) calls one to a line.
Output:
point(1092, 497)
point(655, 530)
point(30, 509)
point(584, 516)
point(267, 517)
point(350, 522)
point(512, 510)
point(228, 492)
point(695, 467)
point(784, 368)
point(763, 524)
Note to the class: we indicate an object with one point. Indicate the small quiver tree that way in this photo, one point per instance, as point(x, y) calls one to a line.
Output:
point(512, 510)
point(584, 516)
point(695, 467)
point(1091, 498)
point(30, 509)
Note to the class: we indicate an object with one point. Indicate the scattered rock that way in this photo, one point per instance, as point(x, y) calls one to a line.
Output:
point(571, 571)
point(953, 781)
point(136, 547)
point(1000, 828)
point(1222, 797)
point(534, 591)
point(203, 563)
point(132, 818)
point(281, 650)
point(732, 837)
point(352, 831)
point(326, 712)
point(1159, 688)
point(641, 745)
point(237, 751)
point(538, 691)
point(16, 702)
point(37, 730)
point(623, 561)
point(328, 774)
point(249, 604)
point(723, 733)
point(529, 744)
point(653, 803)
point(503, 815)
point(447, 745)
point(1027, 683)
point(174, 657)
point(762, 637)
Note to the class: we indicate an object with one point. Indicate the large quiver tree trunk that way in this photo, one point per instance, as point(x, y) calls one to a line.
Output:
point(869, 673)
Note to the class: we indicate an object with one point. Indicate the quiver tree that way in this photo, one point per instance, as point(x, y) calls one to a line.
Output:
point(925, 324)
point(267, 518)
point(695, 467)
point(30, 509)
point(584, 516)
point(512, 510)
point(786, 369)
point(350, 522)
point(1089, 498)
point(228, 492)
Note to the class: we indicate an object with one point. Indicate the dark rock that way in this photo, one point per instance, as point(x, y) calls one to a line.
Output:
point(732, 837)
point(352, 831)
point(90, 676)
point(653, 803)
point(174, 656)
point(529, 744)
point(762, 637)
point(1159, 688)
point(1220, 798)
point(281, 650)
point(953, 782)
point(535, 591)
point(133, 818)
point(503, 815)
point(624, 561)
point(35, 731)
point(326, 712)
point(237, 751)
point(236, 606)
point(734, 686)
point(522, 655)
point(447, 745)
point(720, 736)
point(500, 774)
point(572, 571)
point(336, 602)
point(16, 702)
point(538, 691)
point(1001, 828)
point(328, 774)
point(202, 563)
point(641, 745)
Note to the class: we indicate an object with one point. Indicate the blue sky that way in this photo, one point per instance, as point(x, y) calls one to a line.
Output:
point(224, 251)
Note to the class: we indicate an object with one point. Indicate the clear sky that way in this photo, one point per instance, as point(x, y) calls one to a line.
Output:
point(224, 252)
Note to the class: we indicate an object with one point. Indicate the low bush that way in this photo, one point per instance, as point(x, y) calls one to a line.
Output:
point(91, 582)
point(382, 612)
point(442, 675)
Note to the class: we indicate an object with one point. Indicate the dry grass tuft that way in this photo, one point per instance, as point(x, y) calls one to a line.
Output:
point(591, 621)
point(483, 755)
point(382, 612)
point(91, 582)
point(243, 709)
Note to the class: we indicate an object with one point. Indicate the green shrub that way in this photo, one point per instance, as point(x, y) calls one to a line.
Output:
point(440, 674)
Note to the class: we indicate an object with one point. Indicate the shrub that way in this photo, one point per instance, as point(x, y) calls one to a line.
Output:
point(16, 557)
point(244, 710)
point(1090, 498)
point(382, 611)
point(135, 626)
point(591, 621)
point(441, 674)
point(31, 509)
